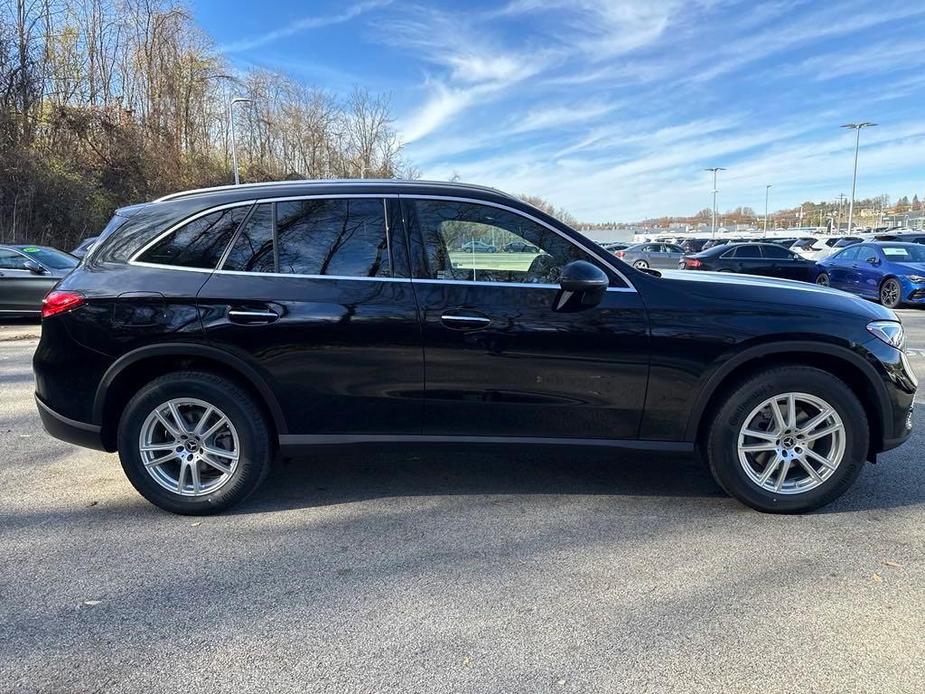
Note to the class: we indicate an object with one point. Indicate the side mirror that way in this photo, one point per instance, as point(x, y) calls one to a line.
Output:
point(873, 261)
point(34, 267)
point(583, 285)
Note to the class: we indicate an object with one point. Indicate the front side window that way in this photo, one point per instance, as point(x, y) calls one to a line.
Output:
point(199, 243)
point(50, 257)
point(472, 242)
point(338, 236)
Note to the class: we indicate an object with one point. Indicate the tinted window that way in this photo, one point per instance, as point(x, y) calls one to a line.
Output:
point(778, 252)
point(447, 230)
point(200, 243)
point(253, 249)
point(744, 252)
point(673, 249)
point(333, 237)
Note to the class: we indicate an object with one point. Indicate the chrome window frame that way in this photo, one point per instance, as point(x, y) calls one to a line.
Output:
point(489, 203)
point(133, 260)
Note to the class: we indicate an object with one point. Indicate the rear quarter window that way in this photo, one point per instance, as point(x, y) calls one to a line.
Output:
point(199, 243)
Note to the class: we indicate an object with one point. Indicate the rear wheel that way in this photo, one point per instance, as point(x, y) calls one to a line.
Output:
point(194, 443)
point(640, 265)
point(788, 440)
point(890, 293)
point(823, 279)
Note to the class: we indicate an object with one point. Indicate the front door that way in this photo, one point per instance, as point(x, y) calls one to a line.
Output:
point(501, 359)
point(315, 293)
point(21, 290)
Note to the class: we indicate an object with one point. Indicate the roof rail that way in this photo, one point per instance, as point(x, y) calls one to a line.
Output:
point(334, 181)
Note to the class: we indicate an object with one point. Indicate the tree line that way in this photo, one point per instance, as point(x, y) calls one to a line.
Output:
point(109, 102)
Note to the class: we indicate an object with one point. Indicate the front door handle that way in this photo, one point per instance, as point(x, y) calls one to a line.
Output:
point(252, 317)
point(470, 320)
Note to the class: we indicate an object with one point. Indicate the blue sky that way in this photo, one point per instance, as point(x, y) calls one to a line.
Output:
point(613, 109)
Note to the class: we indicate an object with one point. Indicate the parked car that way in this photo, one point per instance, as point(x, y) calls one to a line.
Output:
point(654, 255)
point(84, 247)
point(476, 246)
point(615, 246)
point(519, 247)
point(891, 272)
point(27, 274)
point(847, 241)
point(811, 249)
point(211, 331)
point(766, 259)
point(692, 245)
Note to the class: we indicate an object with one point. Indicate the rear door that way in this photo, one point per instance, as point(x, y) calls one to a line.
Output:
point(841, 270)
point(315, 292)
point(21, 290)
point(500, 359)
point(746, 259)
point(670, 256)
point(785, 263)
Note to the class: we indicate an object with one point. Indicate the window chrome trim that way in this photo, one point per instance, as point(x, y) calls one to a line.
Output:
point(362, 278)
point(415, 196)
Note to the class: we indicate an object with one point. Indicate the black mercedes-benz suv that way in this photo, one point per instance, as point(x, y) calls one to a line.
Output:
point(212, 330)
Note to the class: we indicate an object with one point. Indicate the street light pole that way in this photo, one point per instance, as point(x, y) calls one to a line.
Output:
point(854, 178)
point(715, 169)
point(841, 204)
point(234, 148)
point(767, 189)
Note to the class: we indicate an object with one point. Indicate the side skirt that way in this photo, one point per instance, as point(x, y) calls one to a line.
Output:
point(293, 445)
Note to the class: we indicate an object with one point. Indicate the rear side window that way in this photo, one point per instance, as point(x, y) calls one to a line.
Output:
point(778, 252)
point(199, 243)
point(338, 236)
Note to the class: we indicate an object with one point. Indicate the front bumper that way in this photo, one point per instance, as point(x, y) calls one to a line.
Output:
point(70, 430)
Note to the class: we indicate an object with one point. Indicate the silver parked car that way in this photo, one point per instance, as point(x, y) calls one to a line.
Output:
point(652, 254)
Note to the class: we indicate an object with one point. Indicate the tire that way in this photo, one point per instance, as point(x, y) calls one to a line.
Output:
point(242, 445)
point(641, 265)
point(891, 293)
point(823, 279)
point(737, 410)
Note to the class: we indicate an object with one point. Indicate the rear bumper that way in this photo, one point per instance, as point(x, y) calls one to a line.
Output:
point(70, 430)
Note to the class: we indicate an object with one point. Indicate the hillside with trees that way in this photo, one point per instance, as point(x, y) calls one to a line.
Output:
point(109, 102)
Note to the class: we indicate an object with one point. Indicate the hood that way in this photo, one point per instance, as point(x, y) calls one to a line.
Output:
point(768, 290)
point(910, 268)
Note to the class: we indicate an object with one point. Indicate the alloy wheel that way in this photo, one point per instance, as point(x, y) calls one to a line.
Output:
point(791, 443)
point(641, 264)
point(189, 447)
point(889, 293)
point(823, 280)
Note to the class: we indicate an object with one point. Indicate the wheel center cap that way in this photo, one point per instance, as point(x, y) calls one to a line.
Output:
point(789, 442)
point(191, 445)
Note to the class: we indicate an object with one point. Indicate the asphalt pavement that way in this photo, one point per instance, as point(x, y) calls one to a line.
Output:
point(452, 570)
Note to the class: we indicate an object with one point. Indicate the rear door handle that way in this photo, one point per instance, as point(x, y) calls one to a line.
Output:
point(469, 320)
point(252, 316)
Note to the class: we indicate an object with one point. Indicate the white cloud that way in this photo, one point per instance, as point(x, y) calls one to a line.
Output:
point(298, 26)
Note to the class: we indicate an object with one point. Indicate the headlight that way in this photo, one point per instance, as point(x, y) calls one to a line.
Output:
point(889, 331)
point(915, 278)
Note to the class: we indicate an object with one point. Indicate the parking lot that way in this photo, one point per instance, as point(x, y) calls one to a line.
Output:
point(452, 570)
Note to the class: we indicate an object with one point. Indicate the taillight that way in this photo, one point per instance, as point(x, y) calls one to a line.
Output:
point(619, 254)
point(692, 263)
point(60, 301)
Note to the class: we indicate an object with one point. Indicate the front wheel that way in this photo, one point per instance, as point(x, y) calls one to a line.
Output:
point(890, 293)
point(788, 440)
point(822, 279)
point(194, 443)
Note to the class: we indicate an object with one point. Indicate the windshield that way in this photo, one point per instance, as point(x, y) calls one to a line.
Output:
point(904, 254)
point(49, 257)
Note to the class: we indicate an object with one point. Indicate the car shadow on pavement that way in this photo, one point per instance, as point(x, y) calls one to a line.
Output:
point(357, 473)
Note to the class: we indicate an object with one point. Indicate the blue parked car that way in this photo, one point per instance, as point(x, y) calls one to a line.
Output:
point(889, 271)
